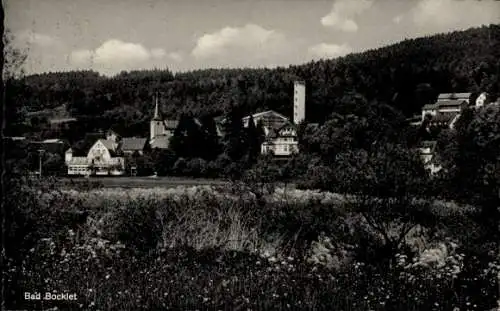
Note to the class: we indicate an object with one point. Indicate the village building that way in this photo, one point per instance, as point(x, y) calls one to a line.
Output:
point(280, 133)
point(103, 158)
point(281, 137)
point(133, 145)
point(161, 130)
point(447, 109)
point(428, 155)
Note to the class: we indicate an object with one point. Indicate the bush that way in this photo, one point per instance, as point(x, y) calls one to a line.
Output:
point(196, 167)
point(180, 167)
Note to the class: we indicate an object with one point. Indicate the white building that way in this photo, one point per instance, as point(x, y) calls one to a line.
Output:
point(280, 133)
point(427, 154)
point(299, 102)
point(481, 100)
point(102, 159)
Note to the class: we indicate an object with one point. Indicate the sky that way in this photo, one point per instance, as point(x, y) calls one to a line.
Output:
point(109, 36)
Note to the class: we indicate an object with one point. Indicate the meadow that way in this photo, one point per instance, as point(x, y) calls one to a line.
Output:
point(224, 248)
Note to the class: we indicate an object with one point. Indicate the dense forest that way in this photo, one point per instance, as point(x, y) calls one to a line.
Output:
point(404, 76)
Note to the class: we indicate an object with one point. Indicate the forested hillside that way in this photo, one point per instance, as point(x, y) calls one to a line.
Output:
point(404, 75)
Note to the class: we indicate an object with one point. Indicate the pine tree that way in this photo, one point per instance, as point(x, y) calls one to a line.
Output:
point(234, 140)
point(210, 147)
point(178, 140)
point(253, 140)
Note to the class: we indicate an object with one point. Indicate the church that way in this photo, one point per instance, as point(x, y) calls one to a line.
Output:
point(161, 130)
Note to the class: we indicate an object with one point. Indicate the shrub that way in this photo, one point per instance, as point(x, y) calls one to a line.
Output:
point(180, 166)
point(196, 167)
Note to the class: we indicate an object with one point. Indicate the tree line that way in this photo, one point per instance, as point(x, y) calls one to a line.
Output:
point(404, 76)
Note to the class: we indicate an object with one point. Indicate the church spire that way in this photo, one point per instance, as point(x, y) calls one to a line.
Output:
point(157, 112)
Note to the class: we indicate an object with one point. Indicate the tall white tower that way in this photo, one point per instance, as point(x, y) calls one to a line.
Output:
point(299, 101)
point(157, 127)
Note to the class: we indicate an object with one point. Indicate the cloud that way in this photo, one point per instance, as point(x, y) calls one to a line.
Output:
point(343, 14)
point(81, 58)
point(175, 56)
point(251, 40)
point(446, 15)
point(158, 53)
point(116, 51)
point(116, 55)
point(325, 50)
point(37, 39)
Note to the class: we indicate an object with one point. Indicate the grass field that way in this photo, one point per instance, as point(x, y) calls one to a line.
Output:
point(148, 182)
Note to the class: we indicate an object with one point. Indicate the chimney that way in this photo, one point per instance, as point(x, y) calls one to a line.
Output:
point(299, 102)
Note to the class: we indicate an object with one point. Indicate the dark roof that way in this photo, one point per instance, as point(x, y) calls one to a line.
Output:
point(430, 106)
point(133, 143)
point(109, 144)
point(454, 96)
point(171, 124)
point(160, 142)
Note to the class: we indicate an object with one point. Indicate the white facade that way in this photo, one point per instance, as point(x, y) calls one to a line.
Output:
point(481, 100)
point(283, 144)
point(427, 152)
point(99, 160)
point(299, 102)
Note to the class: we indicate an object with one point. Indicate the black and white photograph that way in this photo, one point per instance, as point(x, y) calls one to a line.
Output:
point(250, 155)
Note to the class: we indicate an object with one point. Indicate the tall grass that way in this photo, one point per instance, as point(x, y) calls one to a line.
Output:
point(210, 249)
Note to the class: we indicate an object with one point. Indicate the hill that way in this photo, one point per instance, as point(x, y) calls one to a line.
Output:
point(405, 75)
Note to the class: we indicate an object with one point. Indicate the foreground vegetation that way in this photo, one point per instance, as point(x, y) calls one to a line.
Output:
point(210, 248)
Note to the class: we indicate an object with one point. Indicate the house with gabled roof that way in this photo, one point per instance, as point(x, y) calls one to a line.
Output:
point(130, 145)
point(103, 158)
point(280, 132)
point(446, 110)
point(281, 140)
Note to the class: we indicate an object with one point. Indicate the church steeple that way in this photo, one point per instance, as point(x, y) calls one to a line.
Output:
point(156, 116)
